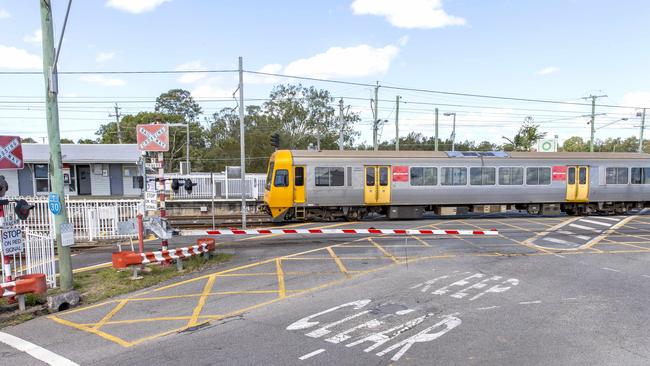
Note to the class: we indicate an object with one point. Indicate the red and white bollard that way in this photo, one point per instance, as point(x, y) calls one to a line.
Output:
point(161, 186)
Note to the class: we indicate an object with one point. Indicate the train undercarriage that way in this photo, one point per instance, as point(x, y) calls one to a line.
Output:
point(353, 213)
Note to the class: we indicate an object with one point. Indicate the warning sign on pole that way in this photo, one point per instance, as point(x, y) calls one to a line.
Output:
point(12, 240)
point(11, 153)
point(153, 137)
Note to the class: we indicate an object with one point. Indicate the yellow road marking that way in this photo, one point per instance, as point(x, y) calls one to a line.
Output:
point(530, 241)
point(104, 335)
point(197, 310)
point(338, 262)
point(282, 293)
point(607, 232)
point(381, 249)
point(421, 241)
point(110, 314)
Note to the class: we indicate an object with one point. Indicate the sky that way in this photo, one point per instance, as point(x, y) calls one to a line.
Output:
point(559, 50)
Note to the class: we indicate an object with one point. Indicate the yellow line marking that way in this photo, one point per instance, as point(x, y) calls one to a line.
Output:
point(90, 268)
point(338, 262)
point(110, 314)
point(144, 320)
point(206, 292)
point(104, 335)
point(607, 232)
point(530, 241)
point(138, 341)
point(421, 241)
point(282, 293)
point(381, 249)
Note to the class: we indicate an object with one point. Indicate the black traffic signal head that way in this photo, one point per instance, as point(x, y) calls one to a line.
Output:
point(189, 185)
point(4, 186)
point(22, 209)
point(275, 140)
point(175, 185)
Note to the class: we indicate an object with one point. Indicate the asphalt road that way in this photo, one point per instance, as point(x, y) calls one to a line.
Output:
point(517, 298)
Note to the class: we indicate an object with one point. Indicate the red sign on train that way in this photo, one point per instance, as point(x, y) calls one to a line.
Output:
point(400, 174)
point(153, 137)
point(559, 172)
point(11, 153)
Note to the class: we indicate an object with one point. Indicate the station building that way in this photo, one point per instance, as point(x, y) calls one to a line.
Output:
point(98, 170)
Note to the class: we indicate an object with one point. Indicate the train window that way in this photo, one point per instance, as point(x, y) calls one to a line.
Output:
point(483, 176)
point(329, 177)
point(370, 176)
point(269, 175)
point(538, 176)
point(571, 179)
point(383, 176)
point(453, 176)
point(640, 176)
point(349, 173)
point(582, 175)
point(511, 176)
point(281, 178)
point(426, 176)
point(299, 178)
point(616, 176)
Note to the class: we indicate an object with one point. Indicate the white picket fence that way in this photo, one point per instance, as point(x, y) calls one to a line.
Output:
point(216, 186)
point(92, 219)
point(38, 257)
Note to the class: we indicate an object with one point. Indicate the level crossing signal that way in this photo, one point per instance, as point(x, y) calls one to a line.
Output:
point(275, 140)
point(22, 207)
point(186, 183)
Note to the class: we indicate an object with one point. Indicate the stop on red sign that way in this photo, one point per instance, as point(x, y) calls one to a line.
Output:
point(11, 153)
point(153, 137)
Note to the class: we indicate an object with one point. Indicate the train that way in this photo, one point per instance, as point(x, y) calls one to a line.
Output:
point(309, 185)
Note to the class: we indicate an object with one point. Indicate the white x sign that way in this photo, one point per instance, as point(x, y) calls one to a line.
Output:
point(152, 138)
point(6, 153)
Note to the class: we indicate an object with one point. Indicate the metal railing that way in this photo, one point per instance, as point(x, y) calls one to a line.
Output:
point(217, 186)
point(38, 257)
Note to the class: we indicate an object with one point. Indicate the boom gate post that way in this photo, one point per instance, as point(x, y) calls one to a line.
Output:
point(161, 186)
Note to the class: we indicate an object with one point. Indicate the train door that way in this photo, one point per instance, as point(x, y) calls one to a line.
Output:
point(299, 184)
point(577, 184)
point(377, 185)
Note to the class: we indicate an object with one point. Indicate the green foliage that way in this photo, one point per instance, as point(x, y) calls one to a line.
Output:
point(67, 141)
point(87, 141)
point(524, 139)
point(27, 140)
point(575, 144)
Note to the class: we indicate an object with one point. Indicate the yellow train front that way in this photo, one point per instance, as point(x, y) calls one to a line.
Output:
point(326, 185)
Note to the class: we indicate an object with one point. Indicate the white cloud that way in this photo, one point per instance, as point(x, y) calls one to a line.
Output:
point(105, 56)
point(4, 14)
point(190, 78)
point(265, 79)
point(35, 37)
point(135, 6)
point(214, 87)
point(102, 80)
point(423, 14)
point(16, 58)
point(548, 70)
point(636, 99)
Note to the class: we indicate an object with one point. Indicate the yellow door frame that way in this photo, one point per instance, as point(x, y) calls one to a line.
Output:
point(577, 184)
point(377, 184)
point(299, 184)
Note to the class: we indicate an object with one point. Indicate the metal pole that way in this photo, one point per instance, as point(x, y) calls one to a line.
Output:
point(117, 123)
point(341, 124)
point(242, 151)
point(397, 123)
point(164, 244)
point(212, 199)
point(187, 148)
point(436, 138)
point(6, 260)
point(54, 140)
point(593, 124)
point(641, 131)
point(375, 121)
point(453, 134)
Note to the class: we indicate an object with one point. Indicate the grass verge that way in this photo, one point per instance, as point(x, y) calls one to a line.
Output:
point(104, 283)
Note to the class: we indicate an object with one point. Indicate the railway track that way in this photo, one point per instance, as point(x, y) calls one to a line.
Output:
point(199, 221)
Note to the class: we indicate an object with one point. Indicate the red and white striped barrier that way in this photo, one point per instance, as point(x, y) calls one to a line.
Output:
point(26, 284)
point(339, 231)
point(128, 258)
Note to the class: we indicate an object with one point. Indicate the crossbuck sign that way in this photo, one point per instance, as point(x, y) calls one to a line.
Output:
point(11, 153)
point(153, 137)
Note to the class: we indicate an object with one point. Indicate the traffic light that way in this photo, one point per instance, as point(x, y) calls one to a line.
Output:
point(176, 184)
point(22, 209)
point(4, 186)
point(189, 185)
point(275, 140)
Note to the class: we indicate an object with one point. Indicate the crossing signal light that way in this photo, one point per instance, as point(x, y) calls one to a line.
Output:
point(189, 185)
point(22, 209)
point(275, 140)
point(4, 186)
point(176, 184)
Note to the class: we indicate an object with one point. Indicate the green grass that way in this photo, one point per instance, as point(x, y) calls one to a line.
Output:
point(94, 286)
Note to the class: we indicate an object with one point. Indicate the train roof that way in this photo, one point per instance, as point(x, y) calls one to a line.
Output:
point(466, 154)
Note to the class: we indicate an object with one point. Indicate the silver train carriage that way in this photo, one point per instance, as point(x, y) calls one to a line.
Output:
point(307, 185)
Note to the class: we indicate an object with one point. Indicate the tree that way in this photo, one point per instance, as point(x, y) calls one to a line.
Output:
point(526, 137)
point(86, 141)
point(67, 141)
point(575, 144)
point(28, 140)
point(178, 102)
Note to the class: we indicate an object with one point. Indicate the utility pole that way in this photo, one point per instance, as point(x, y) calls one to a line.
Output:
point(375, 122)
point(593, 119)
point(641, 130)
point(50, 59)
point(397, 123)
point(453, 130)
point(117, 123)
point(436, 139)
point(242, 151)
point(341, 124)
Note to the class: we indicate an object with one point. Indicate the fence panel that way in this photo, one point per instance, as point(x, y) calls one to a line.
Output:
point(216, 185)
point(39, 257)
